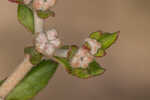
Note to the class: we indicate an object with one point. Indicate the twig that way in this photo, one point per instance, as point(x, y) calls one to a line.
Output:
point(38, 23)
point(23, 68)
point(15, 77)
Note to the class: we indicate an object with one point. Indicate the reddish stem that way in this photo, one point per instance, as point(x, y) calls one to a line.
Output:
point(16, 1)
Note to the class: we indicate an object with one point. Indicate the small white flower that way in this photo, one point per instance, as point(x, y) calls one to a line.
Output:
point(49, 3)
point(41, 41)
point(46, 43)
point(82, 58)
point(56, 43)
point(38, 4)
point(49, 49)
point(43, 4)
point(94, 45)
point(52, 34)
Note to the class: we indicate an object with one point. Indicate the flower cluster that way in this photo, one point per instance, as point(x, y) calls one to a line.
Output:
point(82, 58)
point(47, 43)
point(43, 4)
point(84, 55)
point(94, 45)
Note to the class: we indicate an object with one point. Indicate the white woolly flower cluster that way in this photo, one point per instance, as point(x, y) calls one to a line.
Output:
point(84, 56)
point(94, 45)
point(43, 4)
point(47, 43)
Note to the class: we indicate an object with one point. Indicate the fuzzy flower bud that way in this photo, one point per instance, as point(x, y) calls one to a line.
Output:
point(49, 49)
point(43, 4)
point(40, 42)
point(46, 43)
point(82, 58)
point(51, 34)
point(94, 45)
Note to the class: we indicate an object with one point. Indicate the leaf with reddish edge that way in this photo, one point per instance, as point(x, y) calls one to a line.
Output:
point(93, 69)
point(106, 39)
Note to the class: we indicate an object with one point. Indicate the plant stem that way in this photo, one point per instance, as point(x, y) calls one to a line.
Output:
point(23, 68)
point(61, 52)
point(15, 77)
point(38, 23)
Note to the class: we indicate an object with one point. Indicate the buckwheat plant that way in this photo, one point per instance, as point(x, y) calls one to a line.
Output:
point(37, 68)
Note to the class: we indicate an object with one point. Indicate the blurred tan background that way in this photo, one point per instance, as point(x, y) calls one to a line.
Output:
point(127, 62)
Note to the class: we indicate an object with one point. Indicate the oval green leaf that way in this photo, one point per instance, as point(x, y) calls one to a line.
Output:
point(106, 39)
point(26, 17)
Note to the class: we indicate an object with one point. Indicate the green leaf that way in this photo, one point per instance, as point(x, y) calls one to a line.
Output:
point(106, 39)
point(35, 56)
point(80, 73)
point(100, 53)
point(45, 14)
point(26, 17)
point(34, 81)
point(65, 62)
point(94, 69)
point(95, 35)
